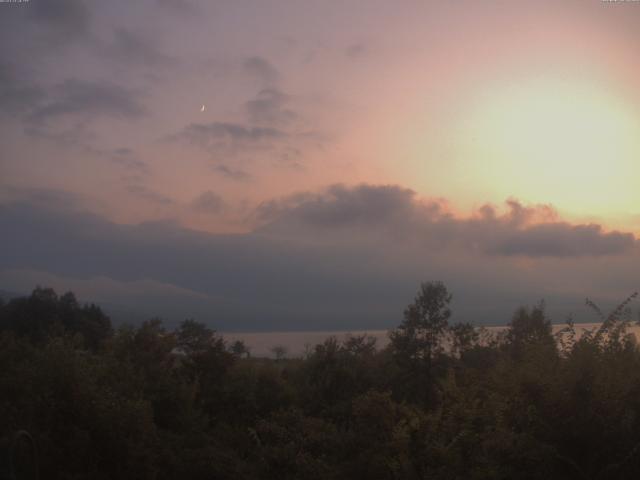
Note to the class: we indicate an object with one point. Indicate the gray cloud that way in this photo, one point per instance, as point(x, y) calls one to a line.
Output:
point(232, 173)
point(42, 39)
point(283, 146)
point(149, 195)
point(134, 49)
point(125, 157)
point(69, 18)
point(255, 276)
point(272, 128)
point(396, 210)
point(562, 239)
point(208, 202)
point(262, 70)
point(222, 135)
point(17, 93)
point(343, 266)
point(269, 108)
point(85, 98)
point(48, 198)
point(339, 206)
point(182, 6)
point(63, 114)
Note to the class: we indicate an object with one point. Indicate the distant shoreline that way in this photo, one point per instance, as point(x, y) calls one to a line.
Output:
point(260, 344)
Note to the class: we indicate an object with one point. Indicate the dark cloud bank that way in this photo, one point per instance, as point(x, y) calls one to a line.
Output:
point(345, 258)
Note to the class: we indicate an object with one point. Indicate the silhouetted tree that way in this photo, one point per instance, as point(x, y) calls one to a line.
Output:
point(194, 337)
point(463, 337)
point(239, 348)
point(530, 328)
point(279, 351)
point(206, 362)
point(418, 339)
point(43, 314)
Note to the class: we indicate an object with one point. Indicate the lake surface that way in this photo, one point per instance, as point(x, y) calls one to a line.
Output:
point(295, 343)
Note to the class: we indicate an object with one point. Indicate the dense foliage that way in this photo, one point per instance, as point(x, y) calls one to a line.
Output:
point(440, 402)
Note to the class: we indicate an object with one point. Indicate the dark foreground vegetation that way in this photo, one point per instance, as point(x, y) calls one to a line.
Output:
point(442, 401)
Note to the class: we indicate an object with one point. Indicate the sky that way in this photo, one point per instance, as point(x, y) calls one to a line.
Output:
point(296, 165)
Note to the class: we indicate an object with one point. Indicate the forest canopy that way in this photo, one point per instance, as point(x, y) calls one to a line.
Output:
point(442, 400)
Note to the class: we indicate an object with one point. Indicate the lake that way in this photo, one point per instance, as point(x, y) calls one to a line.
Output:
point(295, 343)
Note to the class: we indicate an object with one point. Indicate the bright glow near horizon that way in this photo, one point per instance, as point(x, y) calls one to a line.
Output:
point(572, 144)
point(569, 145)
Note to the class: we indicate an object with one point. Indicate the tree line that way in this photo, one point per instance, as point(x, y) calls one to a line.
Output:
point(440, 401)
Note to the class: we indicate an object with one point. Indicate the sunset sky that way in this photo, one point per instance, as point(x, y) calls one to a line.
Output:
point(346, 151)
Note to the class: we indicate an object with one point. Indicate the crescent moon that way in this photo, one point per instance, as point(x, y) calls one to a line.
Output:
point(202, 109)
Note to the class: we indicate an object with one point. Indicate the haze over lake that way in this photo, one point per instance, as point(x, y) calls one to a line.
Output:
point(297, 344)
